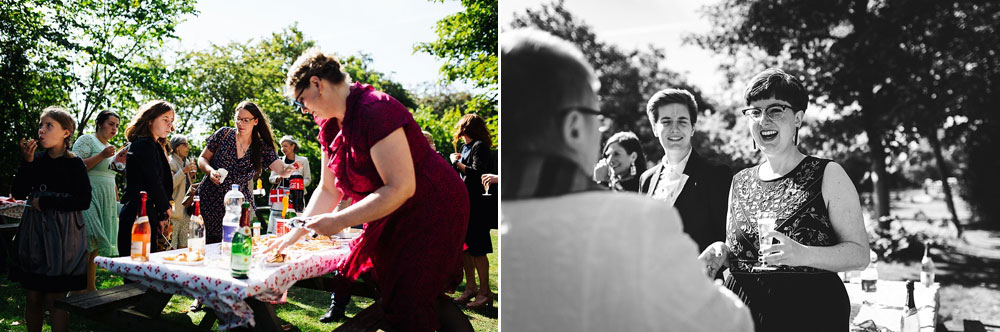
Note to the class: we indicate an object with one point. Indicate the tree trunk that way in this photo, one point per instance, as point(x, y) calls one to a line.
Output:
point(876, 151)
point(945, 174)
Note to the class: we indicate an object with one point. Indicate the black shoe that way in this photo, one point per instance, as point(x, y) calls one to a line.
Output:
point(334, 314)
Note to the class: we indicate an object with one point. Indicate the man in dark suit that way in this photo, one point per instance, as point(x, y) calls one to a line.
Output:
point(697, 188)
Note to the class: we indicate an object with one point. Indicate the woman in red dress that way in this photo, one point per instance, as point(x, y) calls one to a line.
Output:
point(414, 208)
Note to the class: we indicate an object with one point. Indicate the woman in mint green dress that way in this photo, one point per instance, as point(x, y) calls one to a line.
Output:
point(102, 216)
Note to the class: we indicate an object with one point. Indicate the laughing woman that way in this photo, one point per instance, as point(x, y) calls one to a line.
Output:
point(818, 220)
point(622, 164)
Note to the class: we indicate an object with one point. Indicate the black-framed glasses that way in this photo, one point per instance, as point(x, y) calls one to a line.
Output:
point(244, 120)
point(298, 104)
point(602, 118)
point(774, 112)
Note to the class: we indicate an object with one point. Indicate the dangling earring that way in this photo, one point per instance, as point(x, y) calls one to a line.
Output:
point(631, 168)
point(796, 135)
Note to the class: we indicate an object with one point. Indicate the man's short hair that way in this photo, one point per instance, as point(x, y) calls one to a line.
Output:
point(671, 96)
point(541, 73)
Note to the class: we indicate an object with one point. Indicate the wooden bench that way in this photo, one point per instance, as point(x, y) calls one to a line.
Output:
point(132, 307)
point(371, 318)
point(101, 301)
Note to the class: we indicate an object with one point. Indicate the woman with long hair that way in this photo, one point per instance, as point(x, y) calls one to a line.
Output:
point(102, 216)
point(146, 169)
point(243, 152)
point(51, 243)
point(472, 162)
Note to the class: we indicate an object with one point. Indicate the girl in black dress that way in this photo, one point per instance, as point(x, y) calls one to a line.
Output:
point(472, 162)
point(146, 169)
point(51, 249)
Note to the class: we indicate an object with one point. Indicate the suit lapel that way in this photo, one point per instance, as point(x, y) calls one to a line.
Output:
point(654, 178)
point(693, 171)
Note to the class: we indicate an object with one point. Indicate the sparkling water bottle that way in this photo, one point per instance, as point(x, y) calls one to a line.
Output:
point(233, 201)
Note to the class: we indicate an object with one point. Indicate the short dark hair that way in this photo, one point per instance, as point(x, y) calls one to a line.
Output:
point(672, 96)
point(776, 83)
point(104, 116)
point(314, 62)
point(630, 142)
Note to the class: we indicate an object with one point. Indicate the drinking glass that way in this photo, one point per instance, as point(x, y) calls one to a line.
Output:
point(766, 221)
point(487, 192)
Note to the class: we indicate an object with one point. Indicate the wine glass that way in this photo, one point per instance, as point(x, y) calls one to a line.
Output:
point(487, 186)
point(766, 221)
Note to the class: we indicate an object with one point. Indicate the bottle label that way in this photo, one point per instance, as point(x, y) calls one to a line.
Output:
point(296, 184)
point(142, 219)
point(227, 233)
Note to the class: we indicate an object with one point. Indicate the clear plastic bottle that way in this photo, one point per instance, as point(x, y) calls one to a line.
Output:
point(233, 201)
point(869, 277)
point(927, 268)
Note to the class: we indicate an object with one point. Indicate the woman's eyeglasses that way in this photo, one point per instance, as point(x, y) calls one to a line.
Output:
point(244, 120)
point(774, 112)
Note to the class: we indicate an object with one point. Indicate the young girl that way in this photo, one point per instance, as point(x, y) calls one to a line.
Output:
point(52, 239)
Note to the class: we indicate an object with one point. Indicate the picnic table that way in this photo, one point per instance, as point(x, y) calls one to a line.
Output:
point(885, 306)
point(234, 302)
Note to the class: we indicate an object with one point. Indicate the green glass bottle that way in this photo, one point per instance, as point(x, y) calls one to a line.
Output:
point(242, 245)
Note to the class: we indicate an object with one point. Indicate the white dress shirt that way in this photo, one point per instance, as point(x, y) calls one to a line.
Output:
point(672, 180)
point(603, 261)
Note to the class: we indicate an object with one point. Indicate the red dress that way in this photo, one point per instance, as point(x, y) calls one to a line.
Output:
point(416, 250)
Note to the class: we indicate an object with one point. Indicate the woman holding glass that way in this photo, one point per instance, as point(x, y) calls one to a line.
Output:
point(622, 164)
point(793, 284)
point(102, 216)
point(474, 161)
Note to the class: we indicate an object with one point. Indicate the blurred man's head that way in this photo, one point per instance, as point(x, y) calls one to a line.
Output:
point(549, 99)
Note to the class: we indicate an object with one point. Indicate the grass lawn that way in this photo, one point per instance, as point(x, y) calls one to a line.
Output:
point(969, 272)
point(303, 309)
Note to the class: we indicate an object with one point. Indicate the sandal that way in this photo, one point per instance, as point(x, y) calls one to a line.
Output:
point(466, 296)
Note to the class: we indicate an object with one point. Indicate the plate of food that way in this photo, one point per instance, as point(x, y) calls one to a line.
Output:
point(184, 258)
point(276, 259)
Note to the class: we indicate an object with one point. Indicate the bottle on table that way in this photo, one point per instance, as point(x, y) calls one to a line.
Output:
point(927, 268)
point(242, 245)
point(869, 277)
point(233, 200)
point(297, 190)
point(196, 238)
point(910, 321)
point(141, 233)
point(274, 199)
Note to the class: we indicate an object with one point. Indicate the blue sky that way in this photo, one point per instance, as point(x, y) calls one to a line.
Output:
point(385, 29)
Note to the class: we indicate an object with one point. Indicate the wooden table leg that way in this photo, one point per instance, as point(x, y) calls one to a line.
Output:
point(152, 303)
point(264, 316)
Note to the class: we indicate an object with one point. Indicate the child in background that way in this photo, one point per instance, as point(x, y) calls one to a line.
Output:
point(51, 244)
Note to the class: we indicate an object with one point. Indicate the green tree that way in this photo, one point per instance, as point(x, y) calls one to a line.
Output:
point(467, 41)
point(628, 78)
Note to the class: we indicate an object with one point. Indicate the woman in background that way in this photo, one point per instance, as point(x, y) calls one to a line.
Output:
point(182, 171)
point(472, 162)
point(146, 169)
point(622, 164)
point(102, 216)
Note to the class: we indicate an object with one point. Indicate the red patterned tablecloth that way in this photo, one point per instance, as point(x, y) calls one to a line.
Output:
point(11, 209)
point(214, 287)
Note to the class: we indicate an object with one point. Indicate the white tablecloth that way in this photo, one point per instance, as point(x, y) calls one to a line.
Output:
point(213, 285)
point(885, 306)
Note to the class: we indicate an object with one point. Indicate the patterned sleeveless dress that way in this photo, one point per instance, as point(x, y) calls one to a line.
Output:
point(791, 298)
